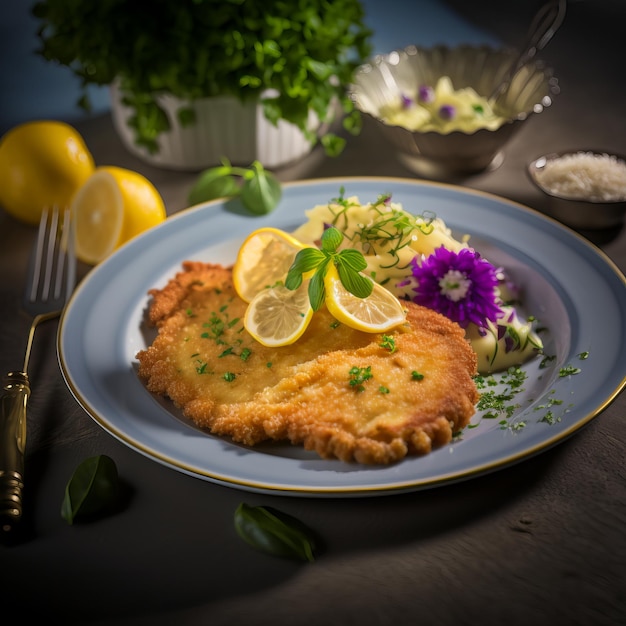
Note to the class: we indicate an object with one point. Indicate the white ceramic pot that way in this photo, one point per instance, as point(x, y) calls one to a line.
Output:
point(224, 127)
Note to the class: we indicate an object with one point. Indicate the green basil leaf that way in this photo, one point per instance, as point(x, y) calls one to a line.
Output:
point(353, 258)
point(260, 192)
point(317, 289)
point(305, 261)
point(293, 279)
point(92, 489)
point(331, 239)
point(274, 532)
point(217, 182)
point(354, 282)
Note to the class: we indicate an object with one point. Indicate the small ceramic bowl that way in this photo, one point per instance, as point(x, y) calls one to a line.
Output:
point(387, 79)
point(585, 189)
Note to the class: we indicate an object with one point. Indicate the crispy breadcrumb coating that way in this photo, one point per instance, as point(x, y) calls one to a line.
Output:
point(343, 393)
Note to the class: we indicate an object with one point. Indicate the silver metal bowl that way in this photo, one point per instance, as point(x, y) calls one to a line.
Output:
point(579, 213)
point(378, 84)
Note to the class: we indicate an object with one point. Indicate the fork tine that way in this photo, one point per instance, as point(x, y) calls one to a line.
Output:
point(67, 246)
point(39, 251)
point(53, 264)
point(50, 253)
point(63, 253)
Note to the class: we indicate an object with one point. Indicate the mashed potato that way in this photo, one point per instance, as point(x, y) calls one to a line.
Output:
point(389, 238)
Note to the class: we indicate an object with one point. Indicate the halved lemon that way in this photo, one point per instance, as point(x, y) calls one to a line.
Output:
point(379, 312)
point(113, 206)
point(278, 316)
point(263, 259)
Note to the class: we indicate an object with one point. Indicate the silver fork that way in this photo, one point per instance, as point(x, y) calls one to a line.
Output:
point(51, 280)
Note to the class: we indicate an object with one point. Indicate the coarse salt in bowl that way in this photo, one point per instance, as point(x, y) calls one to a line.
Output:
point(585, 188)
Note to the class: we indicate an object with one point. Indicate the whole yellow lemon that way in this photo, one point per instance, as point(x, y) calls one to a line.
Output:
point(42, 163)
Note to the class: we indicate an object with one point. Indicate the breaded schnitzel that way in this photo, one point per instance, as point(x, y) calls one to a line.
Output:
point(343, 393)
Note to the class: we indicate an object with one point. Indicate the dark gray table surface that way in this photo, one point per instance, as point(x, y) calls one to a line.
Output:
point(539, 542)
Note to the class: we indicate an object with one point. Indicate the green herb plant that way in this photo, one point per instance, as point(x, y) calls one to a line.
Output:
point(349, 263)
point(259, 190)
point(274, 532)
point(293, 57)
point(92, 490)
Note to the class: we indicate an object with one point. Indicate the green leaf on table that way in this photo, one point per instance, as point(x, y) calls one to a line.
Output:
point(274, 532)
point(214, 183)
point(93, 489)
point(259, 190)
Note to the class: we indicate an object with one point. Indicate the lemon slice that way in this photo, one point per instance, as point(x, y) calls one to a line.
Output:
point(379, 312)
point(263, 259)
point(110, 208)
point(278, 316)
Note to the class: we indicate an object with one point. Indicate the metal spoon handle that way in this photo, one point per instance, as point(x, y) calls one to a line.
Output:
point(545, 23)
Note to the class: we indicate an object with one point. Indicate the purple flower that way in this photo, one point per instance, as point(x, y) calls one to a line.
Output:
point(460, 285)
point(447, 112)
point(426, 94)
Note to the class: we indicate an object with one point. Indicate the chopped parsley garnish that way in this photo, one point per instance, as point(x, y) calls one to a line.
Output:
point(501, 403)
point(358, 375)
point(201, 367)
point(415, 375)
point(388, 342)
point(546, 361)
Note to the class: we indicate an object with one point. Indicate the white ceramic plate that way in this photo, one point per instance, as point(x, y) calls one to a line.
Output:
point(576, 292)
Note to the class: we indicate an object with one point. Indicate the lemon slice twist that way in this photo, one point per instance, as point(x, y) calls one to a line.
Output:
point(379, 312)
